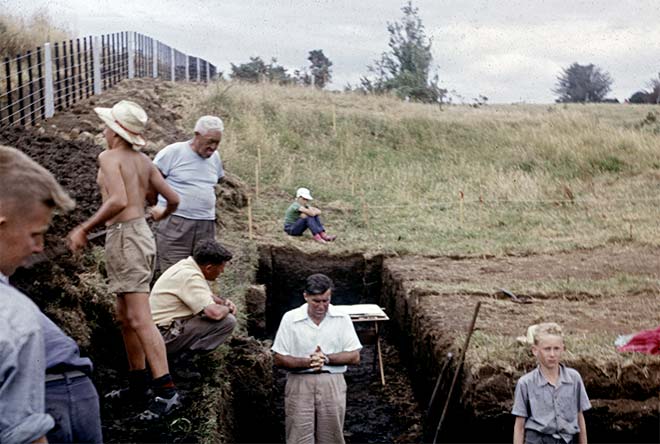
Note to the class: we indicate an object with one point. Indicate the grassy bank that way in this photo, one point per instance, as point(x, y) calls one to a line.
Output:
point(390, 174)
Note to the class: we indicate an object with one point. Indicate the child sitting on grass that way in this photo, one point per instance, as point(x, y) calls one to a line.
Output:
point(301, 216)
point(550, 399)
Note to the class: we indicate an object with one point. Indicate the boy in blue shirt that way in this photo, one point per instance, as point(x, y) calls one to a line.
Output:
point(550, 399)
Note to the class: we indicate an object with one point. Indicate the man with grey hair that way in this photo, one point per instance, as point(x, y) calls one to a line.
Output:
point(192, 169)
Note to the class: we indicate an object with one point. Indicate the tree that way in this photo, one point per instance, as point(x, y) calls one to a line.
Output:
point(582, 83)
point(256, 70)
point(654, 94)
point(639, 97)
point(406, 68)
point(319, 67)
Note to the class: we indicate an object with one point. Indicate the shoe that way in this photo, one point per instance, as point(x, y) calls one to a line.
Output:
point(328, 237)
point(129, 397)
point(317, 237)
point(160, 408)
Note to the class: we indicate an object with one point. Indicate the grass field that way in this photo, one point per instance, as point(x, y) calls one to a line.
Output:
point(390, 174)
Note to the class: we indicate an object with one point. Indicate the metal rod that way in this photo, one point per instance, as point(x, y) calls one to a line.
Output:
point(73, 72)
point(33, 118)
point(19, 72)
point(80, 68)
point(65, 59)
point(380, 356)
point(57, 77)
point(437, 382)
point(458, 370)
point(40, 82)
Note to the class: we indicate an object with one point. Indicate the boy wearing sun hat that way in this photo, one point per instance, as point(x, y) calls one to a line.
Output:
point(300, 216)
point(125, 176)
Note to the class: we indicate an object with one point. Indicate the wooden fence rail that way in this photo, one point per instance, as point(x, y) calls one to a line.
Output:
point(34, 85)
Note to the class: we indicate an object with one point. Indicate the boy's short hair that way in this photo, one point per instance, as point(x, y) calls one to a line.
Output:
point(208, 251)
point(546, 329)
point(24, 182)
point(317, 284)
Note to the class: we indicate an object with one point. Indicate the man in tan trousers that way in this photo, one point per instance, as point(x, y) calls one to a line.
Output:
point(125, 178)
point(315, 343)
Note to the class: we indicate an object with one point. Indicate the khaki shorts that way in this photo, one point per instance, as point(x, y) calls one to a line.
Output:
point(130, 253)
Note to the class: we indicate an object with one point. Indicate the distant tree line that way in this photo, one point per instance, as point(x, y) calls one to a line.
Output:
point(589, 83)
point(319, 72)
point(652, 95)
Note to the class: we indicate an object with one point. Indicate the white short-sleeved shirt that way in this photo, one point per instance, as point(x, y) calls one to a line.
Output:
point(192, 177)
point(298, 335)
point(180, 292)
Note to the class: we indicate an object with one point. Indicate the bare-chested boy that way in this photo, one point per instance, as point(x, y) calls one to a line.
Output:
point(125, 177)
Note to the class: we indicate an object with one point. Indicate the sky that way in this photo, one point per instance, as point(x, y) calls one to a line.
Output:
point(509, 51)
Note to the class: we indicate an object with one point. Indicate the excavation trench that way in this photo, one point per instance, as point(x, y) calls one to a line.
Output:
point(422, 330)
point(375, 413)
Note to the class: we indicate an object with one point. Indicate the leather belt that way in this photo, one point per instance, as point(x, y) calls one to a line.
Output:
point(50, 377)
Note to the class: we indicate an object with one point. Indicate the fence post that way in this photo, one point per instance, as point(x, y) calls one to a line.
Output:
point(187, 68)
point(208, 72)
point(130, 48)
point(96, 63)
point(172, 65)
point(199, 77)
point(49, 97)
point(154, 47)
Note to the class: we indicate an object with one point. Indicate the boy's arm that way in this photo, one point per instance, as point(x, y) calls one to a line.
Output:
point(309, 211)
point(582, 436)
point(519, 430)
point(157, 182)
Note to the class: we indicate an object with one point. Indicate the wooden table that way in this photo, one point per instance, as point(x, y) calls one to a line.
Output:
point(371, 314)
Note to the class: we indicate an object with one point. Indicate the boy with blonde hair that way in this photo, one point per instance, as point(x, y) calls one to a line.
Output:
point(550, 400)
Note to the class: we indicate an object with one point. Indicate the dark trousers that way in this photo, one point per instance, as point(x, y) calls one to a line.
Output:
point(298, 227)
point(74, 404)
point(176, 238)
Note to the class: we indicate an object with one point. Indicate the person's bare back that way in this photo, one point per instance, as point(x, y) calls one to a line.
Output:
point(127, 175)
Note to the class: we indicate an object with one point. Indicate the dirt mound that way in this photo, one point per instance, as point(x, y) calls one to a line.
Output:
point(155, 96)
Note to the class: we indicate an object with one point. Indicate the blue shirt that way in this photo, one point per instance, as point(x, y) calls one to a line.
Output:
point(551, 409)
point(192, 177)
point(22, 369)
point(62, 352)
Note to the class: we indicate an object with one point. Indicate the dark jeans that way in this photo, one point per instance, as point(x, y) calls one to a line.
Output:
point(298, 227)
point(74, 404)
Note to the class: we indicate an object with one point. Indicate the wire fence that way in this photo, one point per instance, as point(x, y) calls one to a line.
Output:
point(52, 77)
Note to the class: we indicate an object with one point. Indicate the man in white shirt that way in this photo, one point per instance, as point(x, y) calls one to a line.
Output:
point(315, 343)
point(192, 169)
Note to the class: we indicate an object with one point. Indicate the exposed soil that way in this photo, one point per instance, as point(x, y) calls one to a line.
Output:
point(71, 289)
point(432, 315)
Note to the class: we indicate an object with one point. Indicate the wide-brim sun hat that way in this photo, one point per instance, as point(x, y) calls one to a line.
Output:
point(127, 119)
point(304, 193)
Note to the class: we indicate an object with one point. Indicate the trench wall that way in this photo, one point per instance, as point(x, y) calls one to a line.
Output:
point(625, 408)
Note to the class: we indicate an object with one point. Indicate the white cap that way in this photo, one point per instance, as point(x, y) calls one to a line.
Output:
point(304, 193)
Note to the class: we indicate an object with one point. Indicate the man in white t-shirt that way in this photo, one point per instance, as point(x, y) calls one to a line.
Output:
point(315, 343)
point(192, 169)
